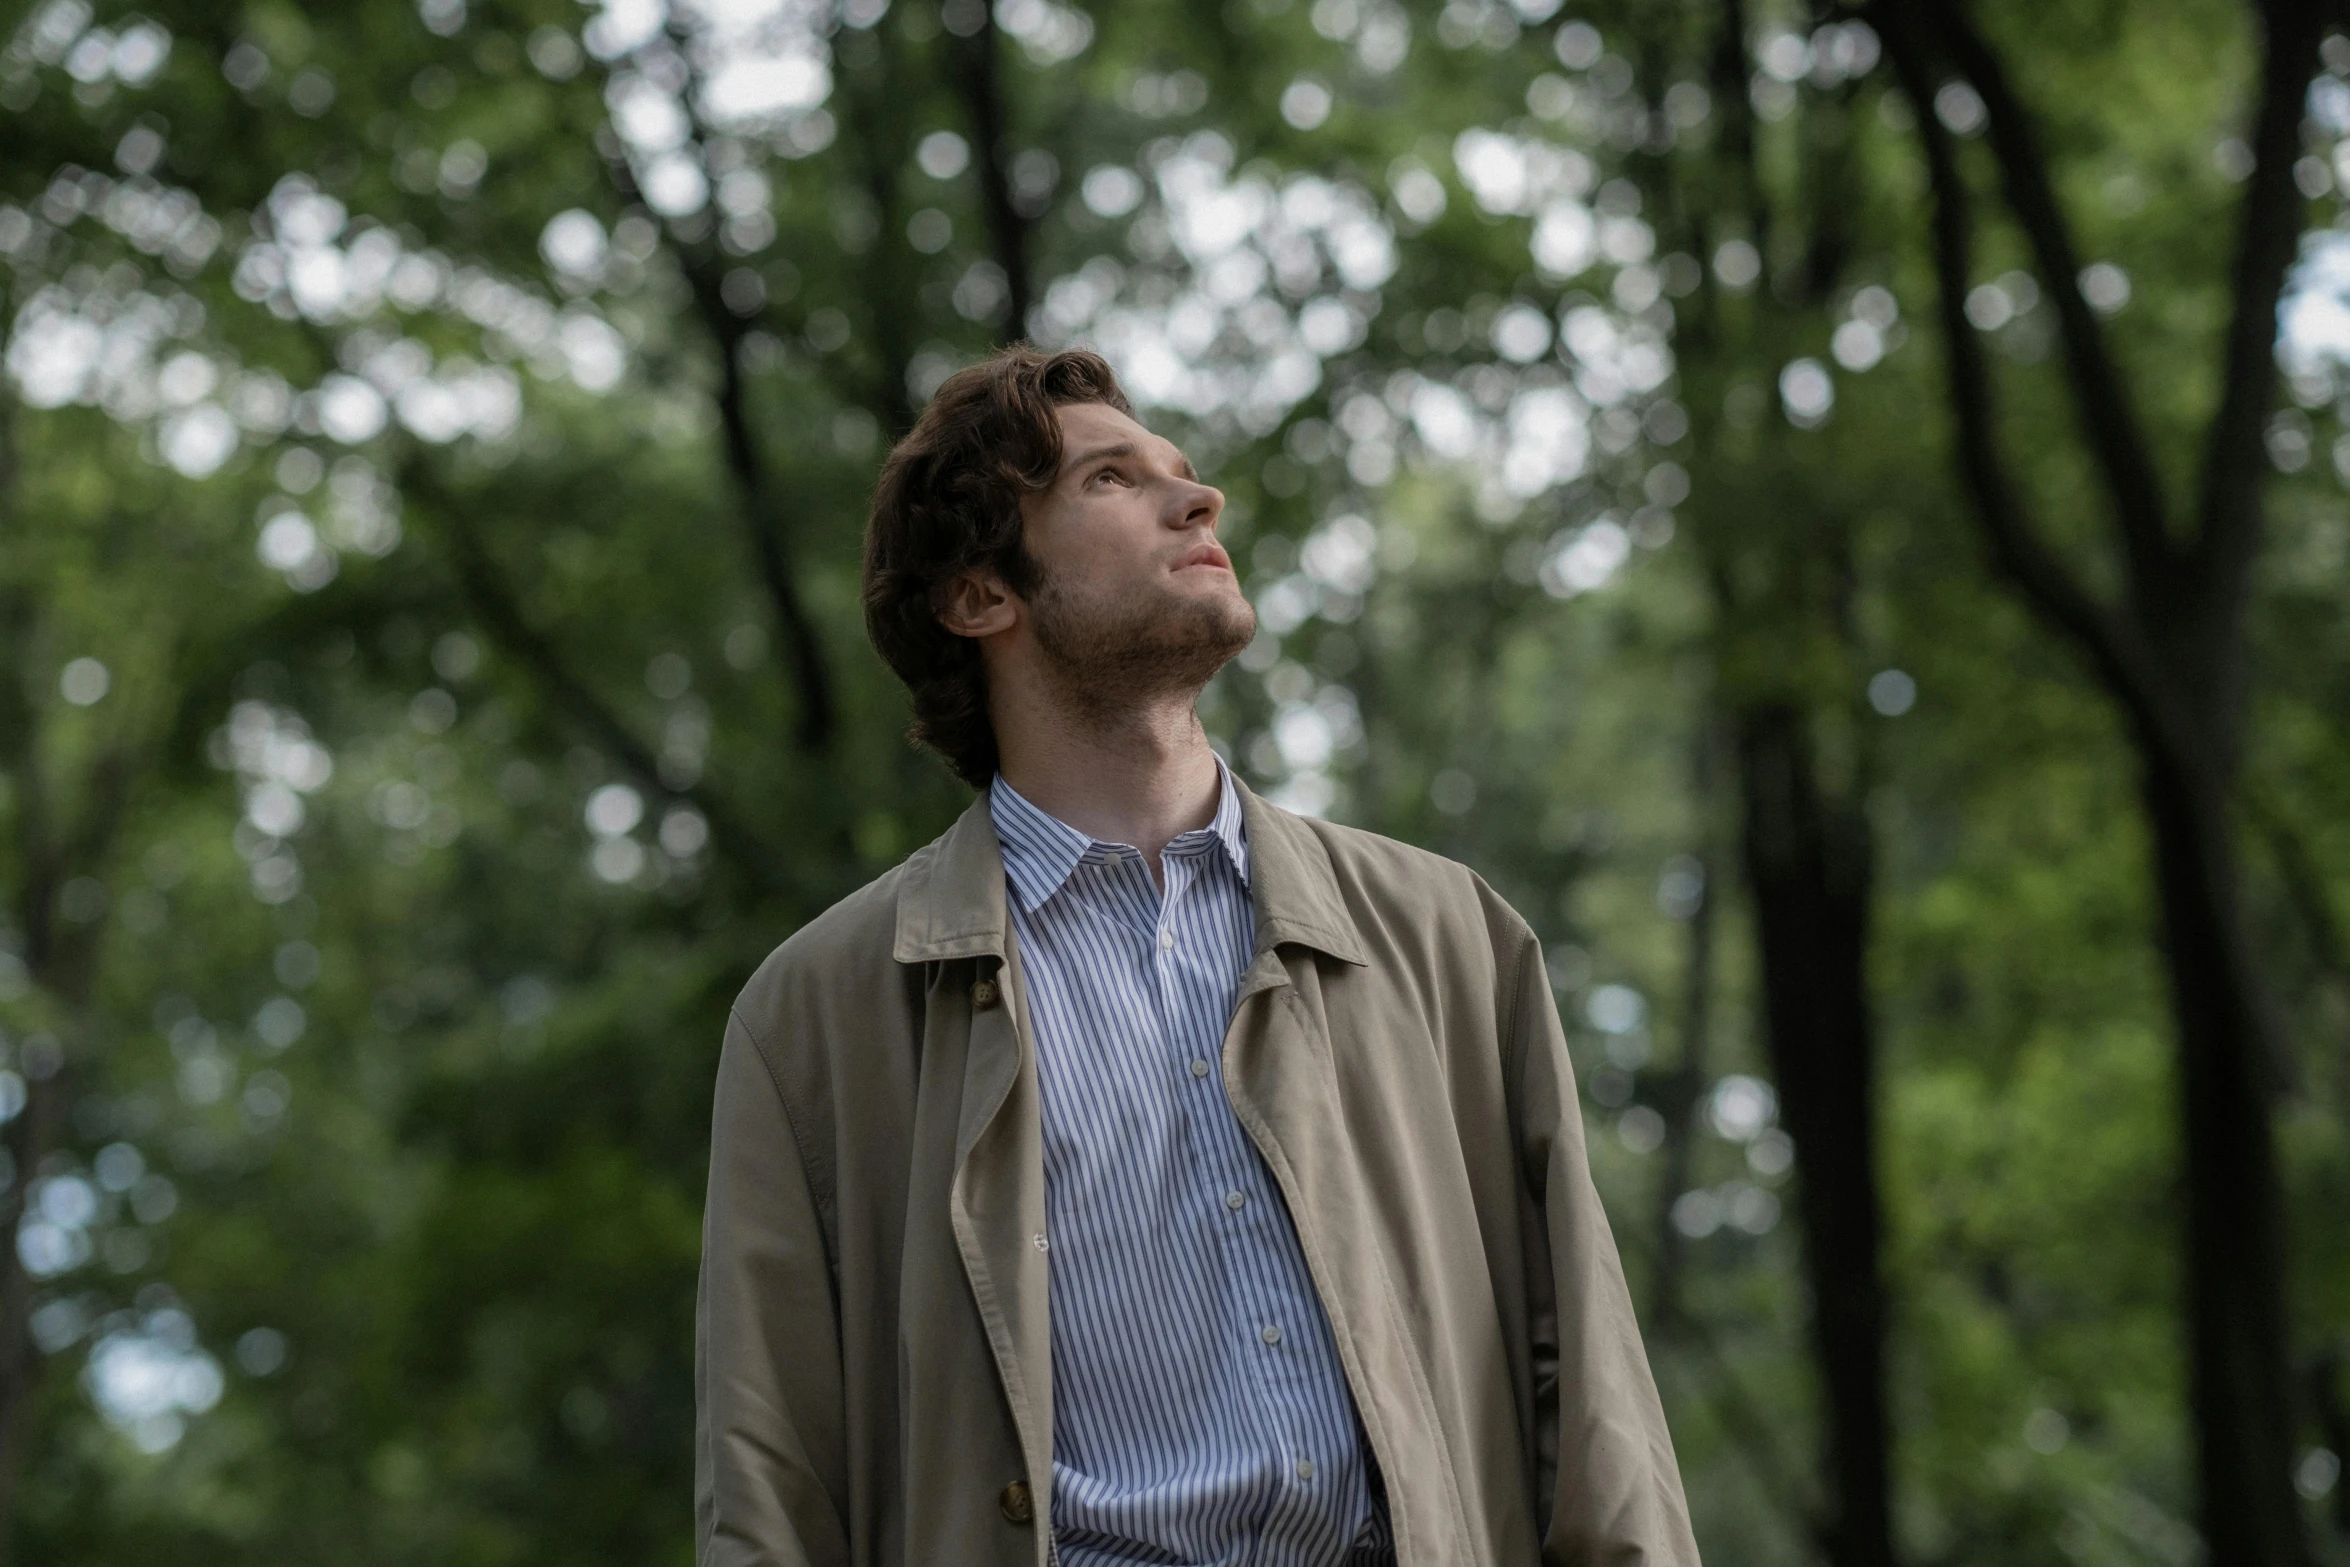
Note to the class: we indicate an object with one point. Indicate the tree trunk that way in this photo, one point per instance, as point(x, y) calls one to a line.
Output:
point(1807, 855)
point(2333, 1423)
point(1681, 1090)
point(979, 81)
point(2239, 1374)
point(38, 1131)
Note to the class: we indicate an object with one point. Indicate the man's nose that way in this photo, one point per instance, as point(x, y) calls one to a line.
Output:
point(1200, 506)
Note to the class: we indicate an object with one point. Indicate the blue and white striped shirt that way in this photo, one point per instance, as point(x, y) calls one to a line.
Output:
point(1200, 1414)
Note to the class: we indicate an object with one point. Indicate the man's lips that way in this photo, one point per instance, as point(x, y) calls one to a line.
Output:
point(1205, 555)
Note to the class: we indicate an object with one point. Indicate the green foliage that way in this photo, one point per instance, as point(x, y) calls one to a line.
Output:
point(449, 761)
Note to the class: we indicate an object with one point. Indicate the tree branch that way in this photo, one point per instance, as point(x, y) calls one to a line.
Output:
point(877, 139)
point(500, 612)
point(1729, 71)
point(979, 83)
point(2017, 549)
point(762, 521)
point(806, 667)
point(2234, 465)
point(2110, 422)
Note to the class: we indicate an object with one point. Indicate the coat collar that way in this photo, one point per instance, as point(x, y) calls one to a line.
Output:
point(1293, 883)
point(951, 894)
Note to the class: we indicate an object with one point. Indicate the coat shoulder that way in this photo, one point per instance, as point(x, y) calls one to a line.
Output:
point(1360, 855)
point(846, 949)
point(1383, 879)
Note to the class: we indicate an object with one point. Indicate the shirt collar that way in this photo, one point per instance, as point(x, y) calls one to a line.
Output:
point(1040, 850)
point(951, 901)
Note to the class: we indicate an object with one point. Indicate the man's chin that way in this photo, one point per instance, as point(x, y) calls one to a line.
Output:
point(1217, 593)
point(1171, 642)
point(1222, 625)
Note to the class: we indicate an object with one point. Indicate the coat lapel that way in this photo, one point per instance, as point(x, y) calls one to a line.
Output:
point(1294, 888)
point(1280, 1074)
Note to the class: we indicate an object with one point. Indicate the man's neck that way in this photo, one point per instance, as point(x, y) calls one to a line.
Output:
point(1142, 780)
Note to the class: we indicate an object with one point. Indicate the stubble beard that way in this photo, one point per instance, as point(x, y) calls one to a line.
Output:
point(1112, 657)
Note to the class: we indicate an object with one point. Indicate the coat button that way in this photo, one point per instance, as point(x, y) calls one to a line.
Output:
point(984, 995)
point(1015, 1503)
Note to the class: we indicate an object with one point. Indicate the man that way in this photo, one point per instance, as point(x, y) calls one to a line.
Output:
point(1141, 1173)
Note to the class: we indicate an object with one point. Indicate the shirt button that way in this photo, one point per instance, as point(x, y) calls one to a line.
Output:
point(1199, 1066)
point(1271, 1335)
point(1166, 941)
point(1305, 1469)
point(1234, 1200)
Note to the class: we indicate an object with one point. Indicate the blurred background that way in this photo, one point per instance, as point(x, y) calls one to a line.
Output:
point(1838, 513)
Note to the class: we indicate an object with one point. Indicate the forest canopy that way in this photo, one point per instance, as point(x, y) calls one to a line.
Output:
point(1837, 512)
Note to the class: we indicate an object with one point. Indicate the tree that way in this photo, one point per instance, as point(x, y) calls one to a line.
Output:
point(2171, 649)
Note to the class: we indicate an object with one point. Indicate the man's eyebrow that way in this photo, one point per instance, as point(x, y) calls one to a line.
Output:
point(1127, 449)
point(1122, 449)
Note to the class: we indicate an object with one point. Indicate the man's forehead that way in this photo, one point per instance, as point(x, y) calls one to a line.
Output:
point(1087, 427)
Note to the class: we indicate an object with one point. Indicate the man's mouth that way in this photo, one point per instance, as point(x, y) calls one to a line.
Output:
point(1205, 555)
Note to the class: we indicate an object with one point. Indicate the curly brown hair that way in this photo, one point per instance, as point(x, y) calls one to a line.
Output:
point(949, 502)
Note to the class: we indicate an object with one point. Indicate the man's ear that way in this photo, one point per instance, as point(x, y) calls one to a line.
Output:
point(976, 605)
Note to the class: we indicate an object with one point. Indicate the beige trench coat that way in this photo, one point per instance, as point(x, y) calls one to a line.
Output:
point(874, 1381)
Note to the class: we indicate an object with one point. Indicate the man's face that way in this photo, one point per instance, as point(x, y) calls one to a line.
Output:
point(1134, 596)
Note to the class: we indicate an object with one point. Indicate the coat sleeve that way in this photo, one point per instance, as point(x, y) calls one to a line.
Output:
point(769, 1480)
point(1605, 1465)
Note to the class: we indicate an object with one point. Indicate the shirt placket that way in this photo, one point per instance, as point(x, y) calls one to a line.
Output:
point(1245, 1237)
point(1277, 1363)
